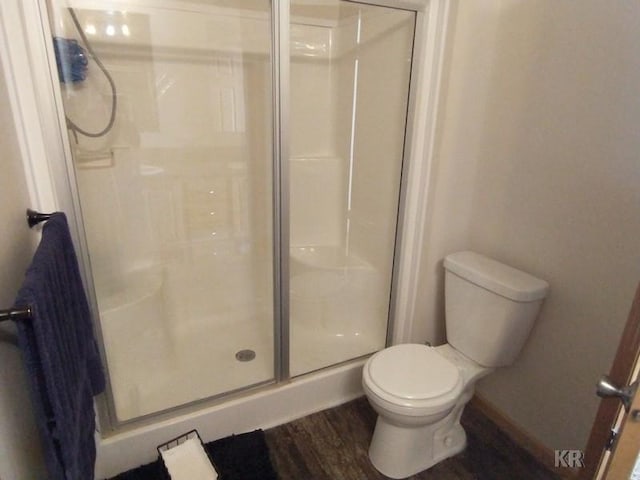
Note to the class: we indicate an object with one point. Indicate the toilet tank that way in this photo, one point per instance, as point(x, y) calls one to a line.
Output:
point(490, 307)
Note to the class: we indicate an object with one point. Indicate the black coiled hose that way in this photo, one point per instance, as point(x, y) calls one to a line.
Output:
point(114, 102)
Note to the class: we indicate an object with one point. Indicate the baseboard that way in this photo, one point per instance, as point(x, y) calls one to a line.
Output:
point(521, 437)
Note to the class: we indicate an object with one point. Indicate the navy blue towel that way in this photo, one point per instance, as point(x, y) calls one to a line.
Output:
point(60, 354)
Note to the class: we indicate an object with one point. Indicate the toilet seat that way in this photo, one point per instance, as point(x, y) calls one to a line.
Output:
point(413, 379)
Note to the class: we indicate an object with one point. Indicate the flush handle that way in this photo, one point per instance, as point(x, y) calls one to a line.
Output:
point(607, 389)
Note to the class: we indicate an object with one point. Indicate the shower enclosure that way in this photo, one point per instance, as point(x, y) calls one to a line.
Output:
point(239, 181)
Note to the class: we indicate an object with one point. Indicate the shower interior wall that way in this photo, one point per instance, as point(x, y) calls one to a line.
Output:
point(327, 135)
point(175, 153)
point(322, 79)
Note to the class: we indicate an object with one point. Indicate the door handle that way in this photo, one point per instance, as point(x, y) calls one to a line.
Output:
point(607, 389)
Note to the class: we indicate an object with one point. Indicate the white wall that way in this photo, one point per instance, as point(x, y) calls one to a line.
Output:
point(19, 441)
point(538, 167)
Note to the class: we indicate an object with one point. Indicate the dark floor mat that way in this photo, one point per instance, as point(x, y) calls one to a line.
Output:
point(238, 457)
point(242, 457)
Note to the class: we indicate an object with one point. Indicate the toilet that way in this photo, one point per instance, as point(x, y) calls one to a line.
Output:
point(419, 391)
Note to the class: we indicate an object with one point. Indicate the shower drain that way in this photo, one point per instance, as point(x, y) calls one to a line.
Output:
point(245, 355)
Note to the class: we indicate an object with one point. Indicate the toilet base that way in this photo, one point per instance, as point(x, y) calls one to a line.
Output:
point(399, 451)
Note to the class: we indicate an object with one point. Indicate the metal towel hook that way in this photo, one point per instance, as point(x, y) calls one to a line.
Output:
point(34, 218)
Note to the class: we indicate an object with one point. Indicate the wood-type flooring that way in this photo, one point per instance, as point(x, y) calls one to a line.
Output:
point(333, 444)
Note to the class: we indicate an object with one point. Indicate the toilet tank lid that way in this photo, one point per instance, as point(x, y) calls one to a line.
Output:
point(496, 277)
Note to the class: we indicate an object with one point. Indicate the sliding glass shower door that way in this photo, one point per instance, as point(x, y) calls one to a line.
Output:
point(170, 124)
point(172, 119)
point(350, 72)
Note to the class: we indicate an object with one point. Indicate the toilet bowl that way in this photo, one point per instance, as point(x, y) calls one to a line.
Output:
point(407, 394)
point(419, 391)
point(418, 416)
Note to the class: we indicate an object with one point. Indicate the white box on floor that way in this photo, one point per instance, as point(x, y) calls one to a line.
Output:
point(186, 459)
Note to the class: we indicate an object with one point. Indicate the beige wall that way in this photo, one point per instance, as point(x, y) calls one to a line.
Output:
point(19, 443)
point(538, 166)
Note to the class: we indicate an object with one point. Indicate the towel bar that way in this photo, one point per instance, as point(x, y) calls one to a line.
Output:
point(18, 313)
point(24, 313)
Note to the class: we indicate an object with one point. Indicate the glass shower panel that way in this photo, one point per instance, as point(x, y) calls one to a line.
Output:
point(175, 193)
point(350, 72)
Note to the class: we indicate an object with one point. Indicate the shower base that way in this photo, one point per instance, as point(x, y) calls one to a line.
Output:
point(180, 362)
point(179, 366)
point(158, 365)
point(160, 358)
point(338, 307)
